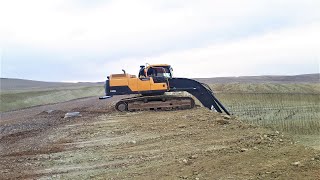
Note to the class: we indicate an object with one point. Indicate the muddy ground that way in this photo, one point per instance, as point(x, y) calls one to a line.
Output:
point(104, 144)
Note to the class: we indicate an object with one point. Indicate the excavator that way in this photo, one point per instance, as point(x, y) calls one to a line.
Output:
point(152, 86)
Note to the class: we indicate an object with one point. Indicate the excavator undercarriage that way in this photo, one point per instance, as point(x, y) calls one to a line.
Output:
point(160, 102)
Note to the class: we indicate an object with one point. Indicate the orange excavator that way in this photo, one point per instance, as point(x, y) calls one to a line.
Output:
point(151, 86)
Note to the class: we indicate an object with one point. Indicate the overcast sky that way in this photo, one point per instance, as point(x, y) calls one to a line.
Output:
point(79, 40)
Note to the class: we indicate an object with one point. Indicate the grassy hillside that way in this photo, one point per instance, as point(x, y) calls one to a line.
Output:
point(22, 99)
point(10, 84)
point(297, 88)
point(20, 93)
point(304, 78)
point(296, 113)
point(293, 108)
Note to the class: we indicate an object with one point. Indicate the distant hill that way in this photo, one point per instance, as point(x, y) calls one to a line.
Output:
point(7, 84)
point(304, 78)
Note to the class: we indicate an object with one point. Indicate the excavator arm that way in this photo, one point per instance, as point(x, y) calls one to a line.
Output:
point(199, 90)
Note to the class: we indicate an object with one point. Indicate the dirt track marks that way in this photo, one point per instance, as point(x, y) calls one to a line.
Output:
point(154, 145)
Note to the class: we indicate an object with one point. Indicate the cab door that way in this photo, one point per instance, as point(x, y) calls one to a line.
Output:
point(159, 84)
point(144, 85)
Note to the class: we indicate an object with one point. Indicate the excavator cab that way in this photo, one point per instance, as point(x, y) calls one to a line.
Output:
point(161, 70)
point(159, 73)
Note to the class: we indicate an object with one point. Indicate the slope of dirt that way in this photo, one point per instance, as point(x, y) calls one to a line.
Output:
point(104, 144)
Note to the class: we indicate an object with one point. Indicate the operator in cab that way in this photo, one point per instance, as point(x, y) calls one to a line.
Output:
point(142, 73)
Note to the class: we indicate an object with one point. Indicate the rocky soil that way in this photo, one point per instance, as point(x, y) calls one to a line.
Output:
point(38, 143)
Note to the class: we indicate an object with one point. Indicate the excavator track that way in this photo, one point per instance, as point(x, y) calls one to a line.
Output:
point(161, 102)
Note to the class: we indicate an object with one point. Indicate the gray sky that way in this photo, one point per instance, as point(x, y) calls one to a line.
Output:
point(78, 40)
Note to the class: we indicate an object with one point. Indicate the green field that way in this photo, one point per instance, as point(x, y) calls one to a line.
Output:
point(296, 113)
point(291, 108)
point(294, 108)
point(12, 100)
point(289, 88)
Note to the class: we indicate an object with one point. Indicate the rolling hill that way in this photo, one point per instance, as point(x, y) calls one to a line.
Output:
point(8, 84)
point(303, 78)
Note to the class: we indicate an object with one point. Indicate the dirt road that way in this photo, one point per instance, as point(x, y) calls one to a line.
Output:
point(104, 144)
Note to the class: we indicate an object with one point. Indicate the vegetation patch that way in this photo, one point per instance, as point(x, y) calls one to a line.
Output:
point(17, 100)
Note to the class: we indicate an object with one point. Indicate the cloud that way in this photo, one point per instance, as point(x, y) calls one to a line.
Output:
point(97, 37)
point(126, 25)
point(279, 51)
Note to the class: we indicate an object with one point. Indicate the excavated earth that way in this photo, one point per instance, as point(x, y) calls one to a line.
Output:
point(38, 143)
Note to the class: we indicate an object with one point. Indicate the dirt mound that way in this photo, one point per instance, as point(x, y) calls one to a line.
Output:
point(187, 144)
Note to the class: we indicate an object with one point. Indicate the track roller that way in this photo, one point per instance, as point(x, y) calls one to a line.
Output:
point(121, 106)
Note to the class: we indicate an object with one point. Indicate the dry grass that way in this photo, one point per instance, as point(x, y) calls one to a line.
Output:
point(17, 100)
point(305, 88)
point(297, 113)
